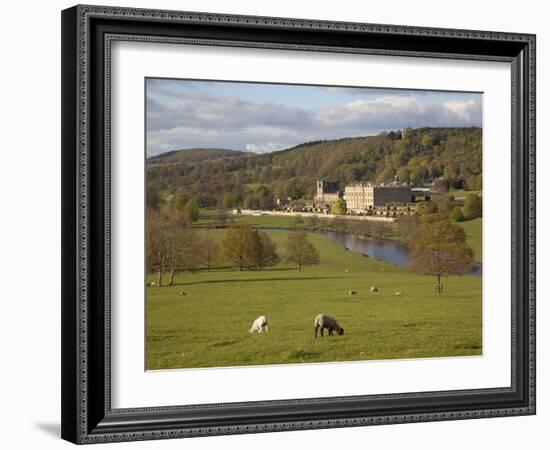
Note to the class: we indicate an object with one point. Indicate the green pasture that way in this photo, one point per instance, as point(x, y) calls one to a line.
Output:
point(208, 327)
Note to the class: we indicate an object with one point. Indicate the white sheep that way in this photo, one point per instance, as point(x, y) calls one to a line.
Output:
point(399, 293)
point(153, 283)
point(323, 321)
point(352, 292)
point(373, 289)
point(258, 325)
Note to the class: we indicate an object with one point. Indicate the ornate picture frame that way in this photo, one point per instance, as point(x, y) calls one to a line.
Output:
point(88, 33)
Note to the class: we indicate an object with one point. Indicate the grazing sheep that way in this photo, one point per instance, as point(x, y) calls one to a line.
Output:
point(352, 292)
point(373, 289)
point(347, 270)
point(399, 293)
point(183, 293)
point(323, 321)
point(153, 283)
point(258, 325)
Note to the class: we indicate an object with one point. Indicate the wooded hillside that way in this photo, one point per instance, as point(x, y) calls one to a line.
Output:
point(226, 178)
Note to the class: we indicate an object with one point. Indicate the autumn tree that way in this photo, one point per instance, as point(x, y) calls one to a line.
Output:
point(440, 249)
point(442, 204)
point(237, 246)
point(264, 254)
point(339, 207)
point(299, 250)
point(472, 206)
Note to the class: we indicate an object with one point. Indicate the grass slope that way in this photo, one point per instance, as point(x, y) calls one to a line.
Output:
point(209, 326)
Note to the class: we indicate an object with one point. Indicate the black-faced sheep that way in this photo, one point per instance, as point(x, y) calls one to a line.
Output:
point(259, 325)
point(373, 289)
point(323, 321)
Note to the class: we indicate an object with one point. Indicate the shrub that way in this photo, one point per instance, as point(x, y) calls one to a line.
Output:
point(456, 214)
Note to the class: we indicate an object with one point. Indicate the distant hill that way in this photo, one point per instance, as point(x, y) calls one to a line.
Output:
point(232, 178)
point(193, 155)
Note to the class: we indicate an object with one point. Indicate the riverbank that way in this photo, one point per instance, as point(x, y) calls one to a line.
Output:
point(473, 228)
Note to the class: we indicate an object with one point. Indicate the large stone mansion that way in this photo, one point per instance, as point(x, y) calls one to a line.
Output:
point(360, 197)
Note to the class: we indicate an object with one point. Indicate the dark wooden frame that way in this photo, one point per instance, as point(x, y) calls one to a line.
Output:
point(87, 32)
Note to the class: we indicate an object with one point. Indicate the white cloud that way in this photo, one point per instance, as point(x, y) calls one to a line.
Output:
point(261, 126)
point(265, 148)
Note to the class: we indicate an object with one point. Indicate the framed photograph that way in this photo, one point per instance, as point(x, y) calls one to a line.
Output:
point(278, 224)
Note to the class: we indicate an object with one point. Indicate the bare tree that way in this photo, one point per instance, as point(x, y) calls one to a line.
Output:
point(182, 251)
point(209, 251)
point(156, 244)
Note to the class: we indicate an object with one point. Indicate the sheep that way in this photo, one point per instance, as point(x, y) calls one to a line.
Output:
point(183, 293)
point(258, 325)
point(153, 283)
point(399, 293)
point(323, 321)
point(352, 292)
point(373, 289)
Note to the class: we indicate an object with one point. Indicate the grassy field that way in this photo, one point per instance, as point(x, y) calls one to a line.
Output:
point(208, 327)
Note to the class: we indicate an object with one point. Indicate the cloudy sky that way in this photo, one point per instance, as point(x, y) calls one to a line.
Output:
point(262, 118)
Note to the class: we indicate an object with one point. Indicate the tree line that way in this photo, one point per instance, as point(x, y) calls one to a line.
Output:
point(174, 247)
point(417, 156)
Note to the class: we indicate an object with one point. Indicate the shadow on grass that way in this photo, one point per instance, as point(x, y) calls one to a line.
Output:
point(255, 280)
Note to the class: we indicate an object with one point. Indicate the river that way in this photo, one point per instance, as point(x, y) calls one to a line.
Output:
point(393, 252)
